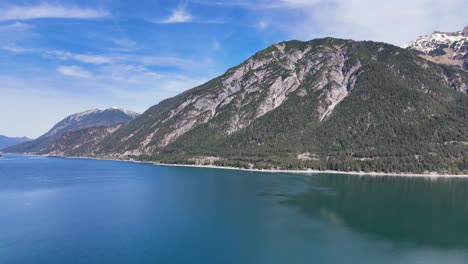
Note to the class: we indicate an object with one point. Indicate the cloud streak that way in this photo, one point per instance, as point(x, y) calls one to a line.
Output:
point(395, 22)
point(84, 58)
point(178, 15)
point(181, 15)
point(134, 59)
point(74, 71)
point(45, 10)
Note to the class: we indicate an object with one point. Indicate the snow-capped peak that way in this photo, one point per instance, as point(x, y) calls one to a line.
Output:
point(127, 112)
point(436, 40)
point(443, 47)
point(79, 116)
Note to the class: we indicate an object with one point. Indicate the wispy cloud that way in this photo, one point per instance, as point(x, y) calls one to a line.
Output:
point(84, 58)
point(216, 45)
point(263, 4)
point(43, 97)
point(178, 15)
point(15, 26)
point(15, 48)
point(394, 21)
point(74, 71)
point(13, 34)
point(46, 10)
point(123, 45)
point(131, 59)
point(295, 3)
point(181, 15)
point(262, 24)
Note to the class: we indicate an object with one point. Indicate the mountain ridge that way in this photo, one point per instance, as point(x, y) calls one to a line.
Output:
point(443, 47)
point(82, 120)
point(6, 141)
point(322, 104)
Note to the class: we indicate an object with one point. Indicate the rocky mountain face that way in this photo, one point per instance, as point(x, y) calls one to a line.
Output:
point(246, 93)
point(78, 142)
point(443, 47)
point(10, 141)
point(322, 104)
point(86, 119)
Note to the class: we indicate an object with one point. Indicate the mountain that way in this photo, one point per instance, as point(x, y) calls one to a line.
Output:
point(77, 142)
point(86, 119)
point(10, 141)
point(322, 104)
point(443, 47)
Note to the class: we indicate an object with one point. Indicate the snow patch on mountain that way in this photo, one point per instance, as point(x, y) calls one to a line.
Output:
point(449, 48)
point(436, 40)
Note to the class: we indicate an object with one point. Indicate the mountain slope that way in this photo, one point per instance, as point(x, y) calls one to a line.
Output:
point(323, 104)
point(10, 141)
point(244, 94)
point(443, 47)
point(77, 142)
point(86, 119)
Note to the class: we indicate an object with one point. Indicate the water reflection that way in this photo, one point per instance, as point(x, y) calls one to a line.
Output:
point(406, 211)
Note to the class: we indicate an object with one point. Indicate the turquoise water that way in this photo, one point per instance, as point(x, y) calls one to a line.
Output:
point(55, 210)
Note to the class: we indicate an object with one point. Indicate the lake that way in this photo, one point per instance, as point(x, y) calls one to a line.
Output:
point(55, 210)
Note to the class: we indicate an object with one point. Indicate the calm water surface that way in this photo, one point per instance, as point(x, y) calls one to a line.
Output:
point(55, 210)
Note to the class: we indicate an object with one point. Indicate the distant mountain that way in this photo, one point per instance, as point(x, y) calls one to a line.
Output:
point(10, 141)
point(443, 47)
point(78, 142)
point(321, 104)
point(87, 119)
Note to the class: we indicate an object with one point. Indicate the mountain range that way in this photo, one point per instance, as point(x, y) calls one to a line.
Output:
point(87, 119)
point(10, 141)
point(325, 104)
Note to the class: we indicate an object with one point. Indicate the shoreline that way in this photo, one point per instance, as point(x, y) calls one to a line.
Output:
point(310, 172)
point(304, 172)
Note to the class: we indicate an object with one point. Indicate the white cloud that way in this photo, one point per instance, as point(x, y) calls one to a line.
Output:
point(262, 24)
point(13, 35)
point(15, 26)
point(15, 48)
point(74, 71)
point(178, 15)
point(296, 3)
point(92, 59)
point(216, 45)
point(84, 58)
point(131, 59)
point(263, 4)
point(127, 86)
point(45, 10)
point(123, 45)
point(396, 21)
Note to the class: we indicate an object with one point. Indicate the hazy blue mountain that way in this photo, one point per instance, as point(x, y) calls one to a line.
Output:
point(10, 141)
point(86, 119)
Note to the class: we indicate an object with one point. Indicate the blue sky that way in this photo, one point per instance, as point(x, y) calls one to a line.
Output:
point(62, 57)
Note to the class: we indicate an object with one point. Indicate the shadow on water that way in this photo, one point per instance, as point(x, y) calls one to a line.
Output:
point(406, 211)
